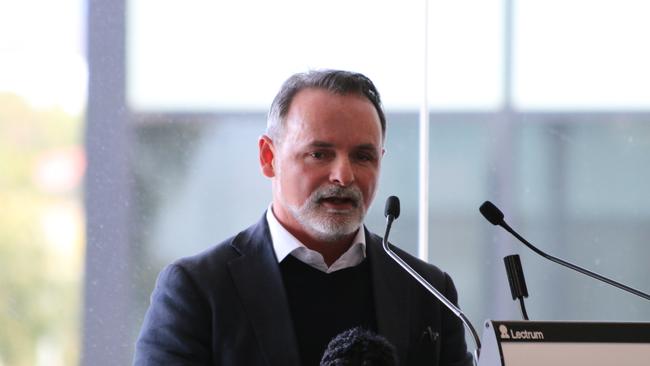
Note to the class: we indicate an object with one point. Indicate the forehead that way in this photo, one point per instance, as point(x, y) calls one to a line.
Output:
point(319, 111)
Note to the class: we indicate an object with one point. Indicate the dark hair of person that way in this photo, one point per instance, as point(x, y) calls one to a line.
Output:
point(359, 347)
point(336, 81)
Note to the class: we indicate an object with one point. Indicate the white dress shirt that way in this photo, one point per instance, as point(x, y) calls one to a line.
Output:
point(284, 244)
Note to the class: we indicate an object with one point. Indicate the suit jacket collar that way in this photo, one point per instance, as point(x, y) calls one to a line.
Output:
point(391, 296)
point(257, 277)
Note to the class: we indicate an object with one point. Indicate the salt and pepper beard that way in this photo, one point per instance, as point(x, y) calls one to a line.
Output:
point(330, 224)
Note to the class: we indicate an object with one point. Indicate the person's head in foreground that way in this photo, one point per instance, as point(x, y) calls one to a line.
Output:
point(359, 347)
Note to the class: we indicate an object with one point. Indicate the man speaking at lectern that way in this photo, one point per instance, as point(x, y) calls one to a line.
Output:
point(279, 291)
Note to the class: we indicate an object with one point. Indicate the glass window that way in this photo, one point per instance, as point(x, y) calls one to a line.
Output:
point(465, 56)
point(201, 75)
point(581, 55)
point(234, 55)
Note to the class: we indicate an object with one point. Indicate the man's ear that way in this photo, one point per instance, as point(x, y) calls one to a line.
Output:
point(267, 156)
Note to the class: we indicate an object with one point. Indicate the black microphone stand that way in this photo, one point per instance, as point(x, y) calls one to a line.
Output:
point(450, 305)
point(495, 216)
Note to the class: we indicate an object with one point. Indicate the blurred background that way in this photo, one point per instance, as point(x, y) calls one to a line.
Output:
point(128, 138)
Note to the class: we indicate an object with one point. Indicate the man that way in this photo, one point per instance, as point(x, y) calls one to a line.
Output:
point(276, 293)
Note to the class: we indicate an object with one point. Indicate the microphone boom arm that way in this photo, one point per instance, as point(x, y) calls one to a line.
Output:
point(431, 289)
point(571, 265)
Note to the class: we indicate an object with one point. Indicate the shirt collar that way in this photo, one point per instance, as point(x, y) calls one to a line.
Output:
point(284, 244)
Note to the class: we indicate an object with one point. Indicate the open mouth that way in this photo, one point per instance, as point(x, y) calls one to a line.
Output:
point(338, 202)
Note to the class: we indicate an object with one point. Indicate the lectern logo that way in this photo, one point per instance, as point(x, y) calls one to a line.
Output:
point(519, 334)
point(504, 332)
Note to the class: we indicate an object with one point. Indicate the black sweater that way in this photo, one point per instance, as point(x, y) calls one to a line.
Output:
point(323, 305)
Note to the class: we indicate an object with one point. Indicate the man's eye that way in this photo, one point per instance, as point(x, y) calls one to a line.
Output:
point(318, 155)
point(365, 157)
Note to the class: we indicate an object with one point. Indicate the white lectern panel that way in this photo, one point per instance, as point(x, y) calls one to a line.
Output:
point(591, 354)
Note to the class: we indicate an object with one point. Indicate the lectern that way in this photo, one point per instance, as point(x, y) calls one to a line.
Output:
point(541, 343)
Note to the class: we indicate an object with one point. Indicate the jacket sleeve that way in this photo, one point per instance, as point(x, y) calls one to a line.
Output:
point(454, 350)
point(176, 327)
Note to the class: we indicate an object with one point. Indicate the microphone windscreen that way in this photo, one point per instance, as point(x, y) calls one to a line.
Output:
point(359, 347)
point(491, 213)
point(392, 207)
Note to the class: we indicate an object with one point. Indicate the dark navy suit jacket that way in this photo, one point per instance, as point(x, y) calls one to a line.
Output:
point(227, 306)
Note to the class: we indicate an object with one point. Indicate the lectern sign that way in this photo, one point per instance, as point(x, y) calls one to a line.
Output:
point(511, 334)
point(529, 343)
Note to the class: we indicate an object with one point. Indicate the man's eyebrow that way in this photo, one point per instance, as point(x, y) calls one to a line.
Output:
point(366, 147)
point(318, 143)
point(324, 144)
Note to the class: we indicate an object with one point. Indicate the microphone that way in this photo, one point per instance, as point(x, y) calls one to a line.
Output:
point(496, 217)
point(392, 212)
point(358, 346)
point(517, 282)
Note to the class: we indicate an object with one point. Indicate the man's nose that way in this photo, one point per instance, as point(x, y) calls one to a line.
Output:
point(342, 172)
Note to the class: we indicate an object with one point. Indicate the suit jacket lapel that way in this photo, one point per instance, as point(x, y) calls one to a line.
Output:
point(257, 278)
point(391, 292)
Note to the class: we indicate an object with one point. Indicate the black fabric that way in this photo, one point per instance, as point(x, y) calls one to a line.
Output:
point(322, 305)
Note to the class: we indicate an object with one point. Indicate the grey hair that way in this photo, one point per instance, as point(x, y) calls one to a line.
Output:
point(335, 81)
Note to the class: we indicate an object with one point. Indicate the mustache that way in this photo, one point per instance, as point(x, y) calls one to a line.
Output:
point(352, 193)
